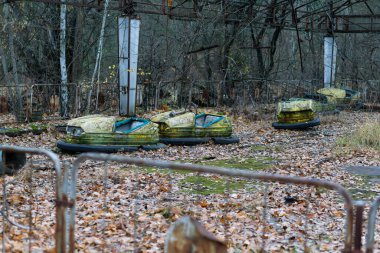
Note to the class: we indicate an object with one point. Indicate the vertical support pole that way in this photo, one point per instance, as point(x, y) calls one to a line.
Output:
point(330, 49)
point(371, 227)
point(129, 30)
point(359, 205)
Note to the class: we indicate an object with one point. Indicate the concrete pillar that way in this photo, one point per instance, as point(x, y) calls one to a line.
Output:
point(330, 50)
point(129, 30)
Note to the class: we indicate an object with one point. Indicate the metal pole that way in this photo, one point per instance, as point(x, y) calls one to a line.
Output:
point(128, 34)
point(221, 171)
point(61, 197)
point(370, 237)
point(358, 226)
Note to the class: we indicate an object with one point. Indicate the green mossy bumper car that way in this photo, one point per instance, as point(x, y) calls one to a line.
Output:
point(187, 128)
point(296, 113)
point(342, 98)
point(322, 104)
point(98, 133)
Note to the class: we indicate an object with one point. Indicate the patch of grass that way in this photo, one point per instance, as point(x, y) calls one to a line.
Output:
point(362, 194)
point(366, 136)
point(278, 148)
point(36, 127)
point(247, 164)
point(217, 185)
point(207, 186)
point(165, 171)
point(214, 184)
point(15, 130)
point(258, 148)
point(363, 189)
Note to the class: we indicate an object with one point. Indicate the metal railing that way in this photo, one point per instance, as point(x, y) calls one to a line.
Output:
point(246, 92)
point(26, 213)
point(42, 98)
point(200, 169)
point(173, 194)
point(371, 229)
point(45, 99)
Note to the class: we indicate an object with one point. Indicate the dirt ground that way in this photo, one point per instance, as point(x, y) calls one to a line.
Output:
point(133, 208)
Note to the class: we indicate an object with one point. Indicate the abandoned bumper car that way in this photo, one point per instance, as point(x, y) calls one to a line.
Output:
point(296, 113)
point(188, 128)
point(98, 133)
point(342, 98)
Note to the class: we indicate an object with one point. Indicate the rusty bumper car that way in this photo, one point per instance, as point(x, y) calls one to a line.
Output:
point(342, 98)
point(98, 133)
point(296, 113)
point(188, 128)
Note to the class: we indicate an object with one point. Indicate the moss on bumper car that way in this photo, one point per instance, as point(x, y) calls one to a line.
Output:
point(296, 113)
point(106, 134)
point(321, 103)
point(187, 128)
point(341, 97)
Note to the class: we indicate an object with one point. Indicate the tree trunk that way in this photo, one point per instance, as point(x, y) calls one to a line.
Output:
point(17, 106)
point(5, 66)
point(62, 48)
point(266, 61)
point(98, 57)
point(76, 69)
point(314, 57)
point(6, 76)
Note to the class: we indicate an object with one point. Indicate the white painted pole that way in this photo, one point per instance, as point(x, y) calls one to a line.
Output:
point(129, 30)
point(330, 49)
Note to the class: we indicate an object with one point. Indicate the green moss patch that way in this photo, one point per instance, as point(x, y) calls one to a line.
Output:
point(364, 188)
point(246, 164)
point(13, 132)
point(215, 184)
point(209, 185)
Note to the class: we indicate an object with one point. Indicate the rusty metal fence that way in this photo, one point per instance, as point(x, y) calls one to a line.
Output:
point(244, 92)
point(112, 203)
point(371, 228)
point(45, 99)
point(134, 210)
point(42, 101)
point(26, 227)
point(36, 102)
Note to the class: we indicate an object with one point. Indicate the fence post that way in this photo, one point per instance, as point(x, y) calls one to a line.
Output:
point(61, 197)
point(359, 208)
point(370, 236)
point(348, 237)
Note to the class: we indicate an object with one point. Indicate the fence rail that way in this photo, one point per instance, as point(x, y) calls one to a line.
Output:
point(137, 228)
point(60, 197)
point(42, 101)
point(348, 238)
point(371, 229)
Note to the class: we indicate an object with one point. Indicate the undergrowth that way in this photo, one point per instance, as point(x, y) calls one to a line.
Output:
point(366, 136)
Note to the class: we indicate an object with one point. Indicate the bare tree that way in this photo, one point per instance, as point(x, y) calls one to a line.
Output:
point(62, 49)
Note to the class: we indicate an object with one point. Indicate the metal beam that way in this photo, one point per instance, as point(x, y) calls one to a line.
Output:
point(316, 20)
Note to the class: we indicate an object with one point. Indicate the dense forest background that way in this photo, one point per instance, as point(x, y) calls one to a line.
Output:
point(206, 60)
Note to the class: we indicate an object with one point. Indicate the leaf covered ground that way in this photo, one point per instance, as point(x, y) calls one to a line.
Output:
point(134, 207)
